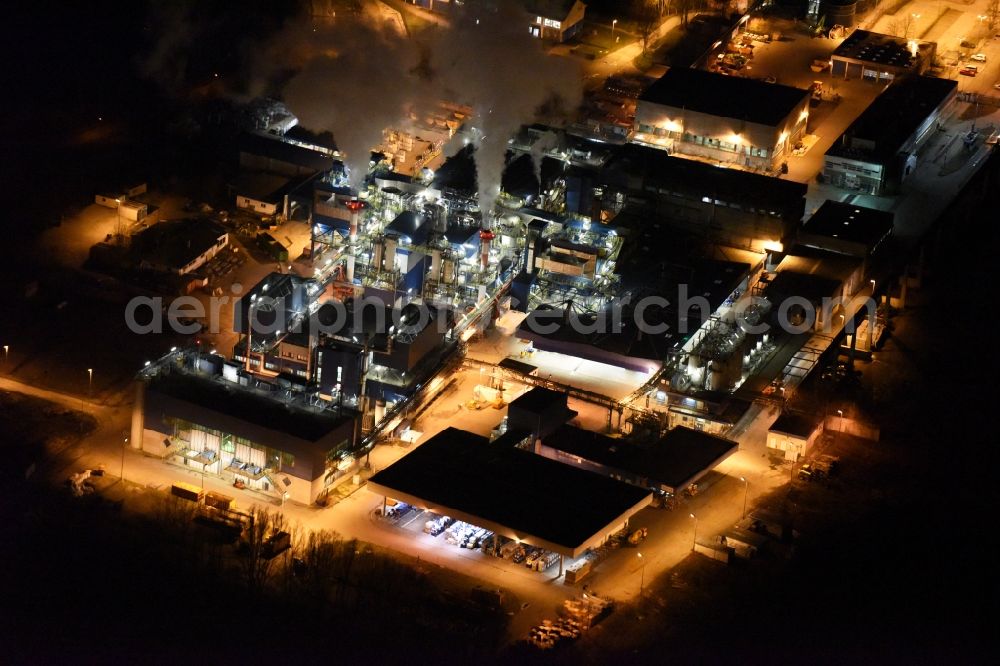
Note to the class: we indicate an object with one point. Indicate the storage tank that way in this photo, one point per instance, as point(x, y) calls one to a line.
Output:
point(435, 273)
point(715, 378)
point(377, 251)
point(696, 370)
point(390, 254)
point(839, 12)
point(448, 275)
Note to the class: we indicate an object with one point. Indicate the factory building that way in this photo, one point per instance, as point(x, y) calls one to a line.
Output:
point(824, 279)
point(880, 58)
point(674, 463)
point(275, 171)
point(555, 20)
point(366, 353)
point(208, 415)
point(726, 206)
point(455, 474)
point(179, 247)
point(272, 319)
point(269, 195)
point(538, 411)
point(881, 147)
point(794, 435)
point(726, 119)
point(706, 411)
point(270, 153)
point(846, 228)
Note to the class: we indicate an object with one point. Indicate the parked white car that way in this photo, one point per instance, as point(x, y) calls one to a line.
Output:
point(979, 57)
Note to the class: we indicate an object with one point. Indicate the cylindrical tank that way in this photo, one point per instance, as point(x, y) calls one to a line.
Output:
point(441, 218)
point(435, 265)
point(377, 250)
point(696, 370)
point(390, 254)
point(715, 379)
point(839, 12)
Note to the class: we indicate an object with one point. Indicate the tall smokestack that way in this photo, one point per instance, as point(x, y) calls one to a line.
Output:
point(355, 207)
point(485, 237)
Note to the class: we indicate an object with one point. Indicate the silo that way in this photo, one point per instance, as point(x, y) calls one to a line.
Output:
point(716, 377)
point(839, 12)
point(696, 370)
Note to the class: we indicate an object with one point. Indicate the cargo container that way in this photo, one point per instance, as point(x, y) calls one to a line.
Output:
point(187, 491)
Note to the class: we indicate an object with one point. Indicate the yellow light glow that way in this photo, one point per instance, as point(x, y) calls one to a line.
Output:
point(774, 246)
point(783, 137)
point(804, 115)
point(735, 138)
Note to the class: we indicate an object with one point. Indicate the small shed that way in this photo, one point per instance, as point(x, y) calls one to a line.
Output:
point(794, 435)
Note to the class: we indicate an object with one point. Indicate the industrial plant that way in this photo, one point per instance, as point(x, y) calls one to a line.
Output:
point(463, 330)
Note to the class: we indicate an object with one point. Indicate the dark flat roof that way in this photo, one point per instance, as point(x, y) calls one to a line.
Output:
point(626, 348)
point(894, 117)
point(411, 225)
point(850, 222)
point(276, 148)
point(323, 139)
point(811, 287)
point(878, 48)
point(726, 96)
point(539, 399)
point(517, 366)
point(800, 425)
point(525, 492)
point(696, 179)
point(176, 243)
point(678, 457)
point(248, 406)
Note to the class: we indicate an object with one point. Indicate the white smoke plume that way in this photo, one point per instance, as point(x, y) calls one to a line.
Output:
point(361, 79)
point(358, 83)
point(546, 142)
point(358, 75)
point(492, 63)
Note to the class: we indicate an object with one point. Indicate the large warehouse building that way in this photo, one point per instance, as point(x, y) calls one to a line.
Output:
point(730, 119)
point(205, 414)
point(677, 461)
point(880, 149)
point(464, 476)
point(880, 58)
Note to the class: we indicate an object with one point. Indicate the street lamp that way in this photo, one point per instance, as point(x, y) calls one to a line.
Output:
point(642, 573)
point(6, 353)
point(90, 381)
point(694, 538)
point(613, 23)
point(873, 286)
point(840, 414)
point(746, 492)
point(124, 446)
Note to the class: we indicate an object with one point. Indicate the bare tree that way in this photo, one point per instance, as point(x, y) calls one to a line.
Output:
point(684, 8)
point(255, 556)
point(647, 17)
point(993, 14)
point(900, 26)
